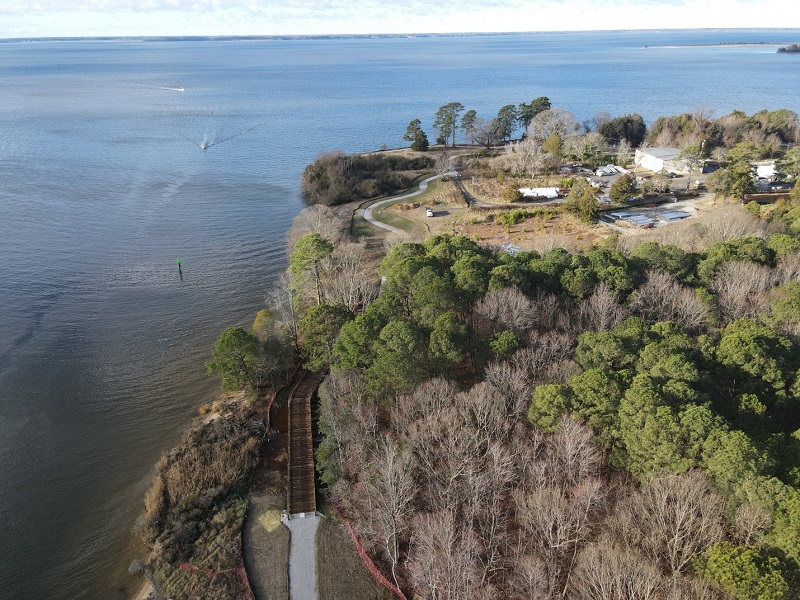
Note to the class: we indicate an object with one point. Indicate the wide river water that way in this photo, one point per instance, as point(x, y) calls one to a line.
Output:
point(103, 185)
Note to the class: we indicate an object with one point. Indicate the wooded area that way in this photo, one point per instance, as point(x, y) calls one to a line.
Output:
point(336, 178)
point(617, 424)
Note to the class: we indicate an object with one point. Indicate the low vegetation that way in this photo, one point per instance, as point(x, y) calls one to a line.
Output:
point(195, 507)
point(194, 510)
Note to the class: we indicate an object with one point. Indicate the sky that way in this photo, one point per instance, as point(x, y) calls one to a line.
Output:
point(77, 18)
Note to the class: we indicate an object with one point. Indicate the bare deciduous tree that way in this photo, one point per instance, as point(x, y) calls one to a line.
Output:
point(546, 518)
point(606, 571)
point(548, 308)
point(557, 508)
point(429, 398)
point(530, 579)
point(742, 289)
point(344, 280)
point(550, 347)
point(526, 158)
point(443, 446)
point(443, 164)
point(751, 521)
point(507, 308)
point(690, 588)
point(319, 219)
point(587, 497)
point(624, 152)
point(601, 311)
point(583, 147)
point(391, 488)
point(484, 409)
point(512, 383)
point(554, 120)
point(788, 269)
point(672, 519)
point(488, 506)
point(487, 132)
point(665, 139)
point(573, 456)
point(661, 298)
point(443, 558)
point(280, 302)
point(733, 222)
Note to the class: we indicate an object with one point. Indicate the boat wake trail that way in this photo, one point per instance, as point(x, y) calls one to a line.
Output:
point(206, 143)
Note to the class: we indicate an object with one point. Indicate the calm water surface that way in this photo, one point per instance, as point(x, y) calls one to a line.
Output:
point(103, 185)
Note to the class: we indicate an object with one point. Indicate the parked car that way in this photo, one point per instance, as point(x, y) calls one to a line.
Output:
point(428, 212)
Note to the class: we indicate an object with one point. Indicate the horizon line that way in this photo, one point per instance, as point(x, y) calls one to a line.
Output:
point(289, 36)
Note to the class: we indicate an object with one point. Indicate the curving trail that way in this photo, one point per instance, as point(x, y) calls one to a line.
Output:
point(423, 185)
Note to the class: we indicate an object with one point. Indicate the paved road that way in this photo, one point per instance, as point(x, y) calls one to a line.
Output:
point(303, 556)
point(423, 185)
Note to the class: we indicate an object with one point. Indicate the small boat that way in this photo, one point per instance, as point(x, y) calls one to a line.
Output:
point(204, 145)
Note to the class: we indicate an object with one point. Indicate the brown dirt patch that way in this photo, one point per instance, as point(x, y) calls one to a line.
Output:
point(265, 542)
point(266, 552)
point(340, 573)
point(541, 232)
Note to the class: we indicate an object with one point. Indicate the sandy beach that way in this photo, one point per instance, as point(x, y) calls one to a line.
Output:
point(145, 592)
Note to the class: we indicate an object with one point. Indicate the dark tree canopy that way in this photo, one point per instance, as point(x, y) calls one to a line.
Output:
point(336, 178)
point(446, 121)
point(630, 128)
point(415, 135)
point(235, 358)
point(507, 121)
point(623, 188)
point(528, 110)
point(468, 122)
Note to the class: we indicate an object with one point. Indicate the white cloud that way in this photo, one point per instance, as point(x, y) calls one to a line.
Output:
point(271, 17)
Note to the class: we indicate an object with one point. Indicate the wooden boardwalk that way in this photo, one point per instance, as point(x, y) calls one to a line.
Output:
point(302, 492)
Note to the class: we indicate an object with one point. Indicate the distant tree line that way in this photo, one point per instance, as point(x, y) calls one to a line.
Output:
point(453, 117)
point(551, 135)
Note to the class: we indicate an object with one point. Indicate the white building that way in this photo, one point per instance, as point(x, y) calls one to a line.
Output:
point(765, 169)
point(610, 170)
point(542, 192)
point(659, 159)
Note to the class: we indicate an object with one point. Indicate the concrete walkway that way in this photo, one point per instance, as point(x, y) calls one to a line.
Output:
point(303, 556)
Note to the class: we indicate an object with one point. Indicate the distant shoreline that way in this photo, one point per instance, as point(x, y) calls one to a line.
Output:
point(723, 45)
point(285, 37)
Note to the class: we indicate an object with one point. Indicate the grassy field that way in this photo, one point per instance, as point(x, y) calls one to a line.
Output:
point(414, 229)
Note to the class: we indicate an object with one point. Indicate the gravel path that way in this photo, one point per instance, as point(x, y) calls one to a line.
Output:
point(303, 557)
